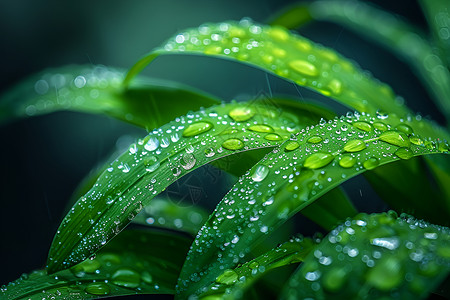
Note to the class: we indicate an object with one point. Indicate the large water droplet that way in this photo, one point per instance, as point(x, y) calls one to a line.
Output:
point(188, 161)
point(242, 113)
point(380, 126)
point(371, 163)
point(260, 173)
point(233, 144)
point(209, 152)
point(273, 137)
point(355, 146)
point(228, 277)
point(303, 67)
point(404, 153)
point(97, 288)
point(318, 160)
point(261, 128)
point(197, 128)
point(151, 163)
point(291, 145)
point(152, 144)
point(395, 138)
point(126, 278)
point(363, 126)
point(315, 139)
point(406, 129)
point(347, 161)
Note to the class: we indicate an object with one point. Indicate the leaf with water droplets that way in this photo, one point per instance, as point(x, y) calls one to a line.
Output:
point(151, 165)
point(380, 254)
point(295, 179)
point(285, 54)
point(136, 262)
point(231, 283)
point(98, 89)
point(391, 32)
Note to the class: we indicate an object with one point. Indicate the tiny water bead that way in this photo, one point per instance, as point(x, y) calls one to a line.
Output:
point(233, 144)
point(318, 160)
point(241, 114)
point(395, 138)
point(197, 128)
point(355, 146)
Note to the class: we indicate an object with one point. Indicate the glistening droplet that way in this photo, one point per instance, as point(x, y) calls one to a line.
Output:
point(318, 160)
point(303, 67)
point(371, 163)
point(260, 173)
point(291, 145)
point(347, 161)
point(355, 146)
point(126, 277)
point(233, 144)
point(197, 128)
point(404, 153)
point(261, 128)
point(97, 288)
point(395, 138)
point(242, 113)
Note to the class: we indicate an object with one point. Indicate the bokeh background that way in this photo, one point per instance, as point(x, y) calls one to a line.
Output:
point(42, 159)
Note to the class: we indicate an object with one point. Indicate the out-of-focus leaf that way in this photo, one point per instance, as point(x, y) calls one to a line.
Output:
point(136, 262)
point(375, 257)
point(290, 178)
point(153, 163)
point(148, 103)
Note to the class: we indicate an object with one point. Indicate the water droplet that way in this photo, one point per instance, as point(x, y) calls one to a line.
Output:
point(382, 115)
point(79, 81)
point(406, 129)
point(233, 144)
point(152, 144)
point(291, 145)
point(97, 288)
point(146, 277)
point(240, 114)
point(126, 278)
point(41, 87)
point(443, 146)
point(188, 161)
point(380, 126)
point(209, 152)
point(347, 161)
point(404, 153)
point(176, 171)
point(228, 277)
point(335, 86)
point(363, 126)
point(261, 128)
point(318, 160)
point(387, 274)
point(273, 137)
point(260, 173)
point(303, 67)
point(315, 139)
point(395, 138)
point(278, 34)
point(355, 146)
point(197, 128)
point(371, 163)
point(416, 140)
point(151, 163)
point(87, 266)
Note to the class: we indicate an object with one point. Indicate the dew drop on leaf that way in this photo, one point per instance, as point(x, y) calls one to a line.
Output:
point(363, 126)
point(292, 145)
point(314, 139)
point(404, 153)
point(261, 128)
point(273, 137)
point(380, 126)
point(347, 161)
point(260, 173)
point(233, 144)
point(406, 129)
point(126, 277)
point(228, 277)
point(151, 164)
point(395, 138)
point(97, 288)
point(240, 114)
point(318, 160)
point(355, 146)
point(371, 163)
point(303, 67)
point(197, 128)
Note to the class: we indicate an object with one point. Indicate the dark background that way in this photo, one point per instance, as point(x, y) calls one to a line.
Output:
point(42, 159)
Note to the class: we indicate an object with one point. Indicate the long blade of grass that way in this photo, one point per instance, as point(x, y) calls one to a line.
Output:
point(375, 256)
point(391, 32)
point(284, 54)
point(153, 163)
point(289, 179)
point(148, 103)
point(136, 262)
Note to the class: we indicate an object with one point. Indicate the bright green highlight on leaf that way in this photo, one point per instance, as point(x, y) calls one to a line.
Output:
point(370, 255)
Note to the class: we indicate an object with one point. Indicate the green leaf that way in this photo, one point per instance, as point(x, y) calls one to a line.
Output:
point(289, 179)
point(164, 213)
point(391, 32)
point(136, 262)
point(153, 163)
point(148, 103)
point(285, 54)
point(231, 282)
point(373, 257)
point(438, 16)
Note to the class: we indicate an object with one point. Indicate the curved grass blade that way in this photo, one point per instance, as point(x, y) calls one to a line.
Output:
point(293, 176)
point(166, 214)
point(136, 262)
point(153, 163)
point(375, 256)
point(392, 33)
point(231, 282)
point(438, 16)
point(284, 54)
point(97, 89)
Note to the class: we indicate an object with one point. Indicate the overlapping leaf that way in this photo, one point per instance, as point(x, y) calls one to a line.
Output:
point(153, 163)
point(375, 256)
point(290, 178)
point(148, 103)
point(136, 262)
point(287, 55)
